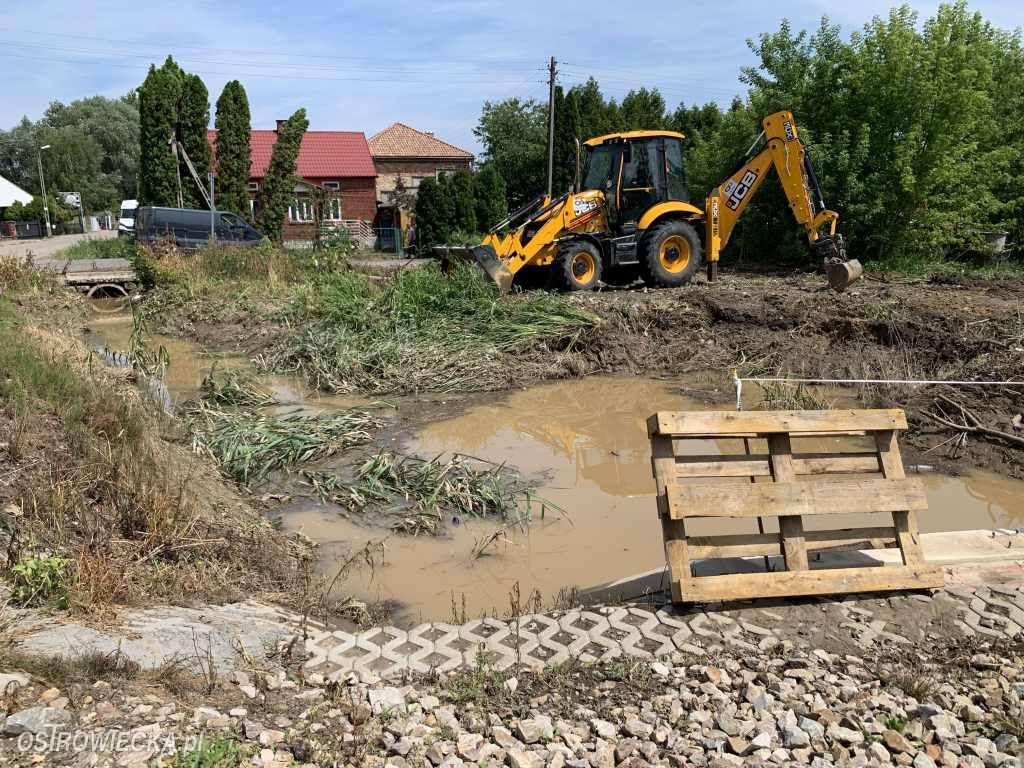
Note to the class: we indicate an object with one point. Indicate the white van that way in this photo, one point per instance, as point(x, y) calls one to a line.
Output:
point(126, 219)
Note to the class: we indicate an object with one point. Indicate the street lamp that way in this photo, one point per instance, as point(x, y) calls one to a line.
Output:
point(42, 184)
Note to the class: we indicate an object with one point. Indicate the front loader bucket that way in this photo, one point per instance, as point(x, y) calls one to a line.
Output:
point(490, 263)
point(843, 274)
point(483, 255)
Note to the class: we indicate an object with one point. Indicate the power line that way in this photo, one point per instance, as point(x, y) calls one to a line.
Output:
point(246, 51)
point(446, 69)
point(437, 80)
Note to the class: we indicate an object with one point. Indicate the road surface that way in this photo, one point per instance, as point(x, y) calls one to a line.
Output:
point(46, 248)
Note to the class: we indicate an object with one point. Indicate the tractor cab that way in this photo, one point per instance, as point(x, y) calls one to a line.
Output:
point(635, 171)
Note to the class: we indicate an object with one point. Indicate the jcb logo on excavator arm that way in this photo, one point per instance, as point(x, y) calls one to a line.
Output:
point(740, 190)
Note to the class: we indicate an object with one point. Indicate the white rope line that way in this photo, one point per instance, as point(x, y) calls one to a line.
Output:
point(738, 381)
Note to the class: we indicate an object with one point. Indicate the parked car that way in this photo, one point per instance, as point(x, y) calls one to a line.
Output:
point(126, 219)
point(190, 227)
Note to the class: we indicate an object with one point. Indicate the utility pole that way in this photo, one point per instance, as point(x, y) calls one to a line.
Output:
point(551, 124)
point(42, 184)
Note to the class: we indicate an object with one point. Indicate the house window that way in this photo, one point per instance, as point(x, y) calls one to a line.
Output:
point(332, 209)
point(332, 185)
point(301, 210)
point(253, 186)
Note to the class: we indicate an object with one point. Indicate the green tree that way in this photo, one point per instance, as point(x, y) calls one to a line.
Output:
point(434, 214)
point(463, 203)
point(112, 125)
point(159, 96)
point(514, 136)
point(278, 188)
point(489, 195)
point(193, 122)
point(234, 155)
point(72, 164)
point(642, 110)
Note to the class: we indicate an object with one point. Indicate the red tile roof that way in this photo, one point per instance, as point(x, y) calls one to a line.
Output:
point(399, 140)
point(323, 154)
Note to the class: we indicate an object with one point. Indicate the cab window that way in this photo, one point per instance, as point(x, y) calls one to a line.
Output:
point(676, 171)
point(600, 166)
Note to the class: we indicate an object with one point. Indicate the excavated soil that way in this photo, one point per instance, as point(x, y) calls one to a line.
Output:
point(767, 326)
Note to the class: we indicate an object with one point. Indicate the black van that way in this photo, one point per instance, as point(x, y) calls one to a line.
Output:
point(190, 227)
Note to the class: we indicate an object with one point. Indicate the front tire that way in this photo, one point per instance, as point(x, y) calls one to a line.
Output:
point(577, 266)
point(671, 254)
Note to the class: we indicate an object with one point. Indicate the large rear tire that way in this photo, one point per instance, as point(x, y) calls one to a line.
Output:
point(671, 254)
point(577, 266)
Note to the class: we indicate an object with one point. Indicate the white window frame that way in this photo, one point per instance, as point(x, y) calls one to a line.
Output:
point(332, 209)
point(300, 211)
point(253, 186)
point(334, 186)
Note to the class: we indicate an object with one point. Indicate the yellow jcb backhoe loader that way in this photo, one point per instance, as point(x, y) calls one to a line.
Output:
point(632, 215)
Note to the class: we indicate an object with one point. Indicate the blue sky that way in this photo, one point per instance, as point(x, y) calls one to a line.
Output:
point(362, 65)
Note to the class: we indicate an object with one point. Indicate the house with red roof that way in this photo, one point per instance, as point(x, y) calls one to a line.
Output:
point(338, 161)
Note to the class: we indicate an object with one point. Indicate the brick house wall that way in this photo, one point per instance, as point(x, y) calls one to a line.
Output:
point(409, 169)
point(358, 201)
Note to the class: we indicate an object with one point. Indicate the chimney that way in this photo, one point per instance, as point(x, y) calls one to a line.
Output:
point(279, 123)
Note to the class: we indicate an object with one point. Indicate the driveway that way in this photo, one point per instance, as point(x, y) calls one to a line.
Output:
point(46, 248)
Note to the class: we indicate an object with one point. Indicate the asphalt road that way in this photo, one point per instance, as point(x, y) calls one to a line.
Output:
point(47, 248)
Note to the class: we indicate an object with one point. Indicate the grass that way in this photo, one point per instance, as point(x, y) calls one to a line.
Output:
point(100, 248)
point(421, 331)
point(930, 267)
point(248, 444)
point(419, 495)
point(780, 396)
point(62, 671)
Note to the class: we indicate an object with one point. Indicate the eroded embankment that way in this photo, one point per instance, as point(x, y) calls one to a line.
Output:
point(101, 500)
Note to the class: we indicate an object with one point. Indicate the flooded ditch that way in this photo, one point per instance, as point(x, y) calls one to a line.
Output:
point(582, 441)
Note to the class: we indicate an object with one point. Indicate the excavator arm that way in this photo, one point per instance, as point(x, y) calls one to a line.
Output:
point(779, 145)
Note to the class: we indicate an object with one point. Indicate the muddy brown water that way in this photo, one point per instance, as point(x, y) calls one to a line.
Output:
point(585, 443)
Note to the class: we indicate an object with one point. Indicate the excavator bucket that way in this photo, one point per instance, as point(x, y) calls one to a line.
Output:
point(842, 274)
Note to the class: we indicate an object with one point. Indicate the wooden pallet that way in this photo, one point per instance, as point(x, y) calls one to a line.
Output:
point(771, 480)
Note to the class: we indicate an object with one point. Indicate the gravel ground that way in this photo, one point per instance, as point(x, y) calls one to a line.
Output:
point(958, 704)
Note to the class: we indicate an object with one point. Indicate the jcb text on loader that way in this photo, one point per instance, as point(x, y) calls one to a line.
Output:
point(632, 216)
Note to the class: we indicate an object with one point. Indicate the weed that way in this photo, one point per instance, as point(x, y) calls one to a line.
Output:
point(221, 752)
point(42, 580)
point(248, 444)
point(894, 723)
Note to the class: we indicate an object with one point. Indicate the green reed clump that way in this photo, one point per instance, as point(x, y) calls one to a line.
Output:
point(419, 495)
point(422, 331)
point(249, 444)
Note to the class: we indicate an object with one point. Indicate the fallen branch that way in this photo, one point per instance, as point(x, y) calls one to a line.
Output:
point(972, 424)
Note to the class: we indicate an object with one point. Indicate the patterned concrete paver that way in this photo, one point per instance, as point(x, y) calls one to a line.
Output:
point(604, 633)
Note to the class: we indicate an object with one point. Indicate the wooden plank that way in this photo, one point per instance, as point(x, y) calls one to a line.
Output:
point(835, 497)
point(760, 544)
point(905, 520)
point(723, 423)
point(744, 586)
point(791, 527)
point(757, 465)
point(673, 531)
